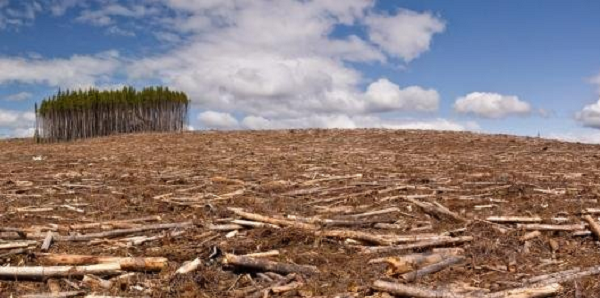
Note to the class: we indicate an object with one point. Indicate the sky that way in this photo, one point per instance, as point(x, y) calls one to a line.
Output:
point(512, 67)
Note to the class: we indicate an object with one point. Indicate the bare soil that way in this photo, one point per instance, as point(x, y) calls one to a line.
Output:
point(196, 176)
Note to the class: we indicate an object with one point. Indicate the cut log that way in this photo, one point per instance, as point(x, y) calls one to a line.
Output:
point(436, 209)
point(436, 267)
point(530, 235)
point(47, 241)
point(417, 245)
point(19, 244)
point(125, 223)
point(271, 220)
point(55, 295)
point(270, 253)
point(22, 233)
point(95, 282)
point(354, 235)
point(254, 224)
point(123, 232)
point(189, 266)
point(377, 212)
point(548, 227)
point(225, 227)
point(265, 265)
point(411, 291)
point(528, 292)
point(126, 263)
point(594, 226)
point(514, 219)
point(567, 276)
point(407, 263)
point(45, 272)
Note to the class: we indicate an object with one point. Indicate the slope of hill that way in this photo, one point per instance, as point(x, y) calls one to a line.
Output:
point(334, 199)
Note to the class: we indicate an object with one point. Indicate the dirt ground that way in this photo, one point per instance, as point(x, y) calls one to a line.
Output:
point(324, 174)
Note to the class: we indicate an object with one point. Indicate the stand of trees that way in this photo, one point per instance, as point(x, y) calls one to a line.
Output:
point(82, 114)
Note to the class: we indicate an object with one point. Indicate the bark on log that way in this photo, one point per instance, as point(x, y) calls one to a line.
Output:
point(225, 227)
point(123, 232)
point(417, 245)
point(514, 219)
point(528, 292)
point(271, 220)
point(547, 227)
point(436, 209)
point(55, 295)
point(354, 235)
point(407, 263)
point(126, 263)
point(270, 253)
point(530, 235)
point(189, 266)
point(19, 244)
point(126, 223)
point(594, 226)
point(254, 224)
point(266, 265)
point(436, 267)
point(45, 272)
point(411, 291)
point(47, 241)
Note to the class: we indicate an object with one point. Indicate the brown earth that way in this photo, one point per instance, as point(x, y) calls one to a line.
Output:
point(196, 176)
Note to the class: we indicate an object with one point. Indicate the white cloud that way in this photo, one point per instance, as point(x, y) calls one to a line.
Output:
point(217, 120)
point(345, 121)
point(72, 72)
point(239, 62)
point(592, 137)
point(384, 95)
point(16, 123)
point(491, 105)
point(21, 96)
point(406, 34)
point(21, 13)
point(596, 81)
point(589, 116)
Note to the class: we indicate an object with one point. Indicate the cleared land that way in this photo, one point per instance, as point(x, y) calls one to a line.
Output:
point(334, 204)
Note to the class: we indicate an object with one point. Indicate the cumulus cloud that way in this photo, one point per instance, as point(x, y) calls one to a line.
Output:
point(491, 105)
point(349, 122)
point(589, 116)
point(406, 34)
point(21, 96)
point(79, 70)
point(16, 123)
point(217, 120)
point(384, 95)
point(18, 13)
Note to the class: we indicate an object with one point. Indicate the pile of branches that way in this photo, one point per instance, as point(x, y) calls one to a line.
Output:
point(81, 114)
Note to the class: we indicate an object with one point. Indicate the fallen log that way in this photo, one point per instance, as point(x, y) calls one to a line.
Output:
point(47, 242)
point(436, 267)
point(189, 266)
point(125, 223)
point(514, 219)
point(270, 253)
point(126, 263)
point(45, 272)
point(354, 235)
point(436, 209)
point(528, 292)
point(266, 265)
point(225, 227)
point(548, 227)
point(411, 291)
point(407, 263)
point(55, 295)
point(566, 276)
point(417, 245)
point(19, 244)
point(594, 226)
point(123, 232)
point(271, 220)
point(254, 224)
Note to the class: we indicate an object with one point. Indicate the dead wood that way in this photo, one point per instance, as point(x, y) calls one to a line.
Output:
point(417, 245)
point(549, 227)
point(127, 263)
point(123, 232)
point(45, 272)
point(435, 267)
point(594, 226)
point(55, 295)
point(266, 265)
point(514, 219)
point(436, 209)
point(271, 220)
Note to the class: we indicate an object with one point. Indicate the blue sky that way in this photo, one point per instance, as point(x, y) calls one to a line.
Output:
point(517, 67)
